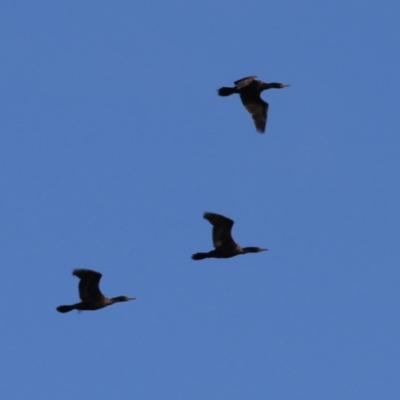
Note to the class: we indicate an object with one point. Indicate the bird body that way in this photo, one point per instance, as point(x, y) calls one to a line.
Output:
point(250, 90)
point(225, 246)
point(90, 294)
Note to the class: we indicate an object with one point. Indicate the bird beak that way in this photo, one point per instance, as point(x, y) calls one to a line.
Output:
point(285, 85)
point(264, 249)
point(132, 298)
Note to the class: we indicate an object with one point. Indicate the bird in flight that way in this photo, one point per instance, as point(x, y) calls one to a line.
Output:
point(90, 294)
point(250, 90)
point(225, 246)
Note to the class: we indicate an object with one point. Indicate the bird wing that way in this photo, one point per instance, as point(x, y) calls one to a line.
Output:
point(258, 109)
point(89, 284)
point(241, 83)
point(222, 226)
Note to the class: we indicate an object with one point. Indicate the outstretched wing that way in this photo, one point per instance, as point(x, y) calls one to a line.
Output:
point(89, 284)
point(258, 109)
point(222, 226)
point(245, 81)
point(241, 83)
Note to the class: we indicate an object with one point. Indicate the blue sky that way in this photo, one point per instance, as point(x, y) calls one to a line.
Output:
point(114, 143)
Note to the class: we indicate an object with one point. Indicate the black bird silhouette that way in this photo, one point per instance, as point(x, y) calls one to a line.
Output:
point(249, 90)
point(90, 294)
point(225, 246)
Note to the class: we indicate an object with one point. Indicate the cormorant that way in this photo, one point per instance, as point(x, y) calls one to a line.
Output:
point(90, 294)
point(225, 246)
point(250, 89)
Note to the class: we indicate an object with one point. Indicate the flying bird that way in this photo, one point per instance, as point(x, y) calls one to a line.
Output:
point(90, 294)
point(225, 246)
point(250, 90)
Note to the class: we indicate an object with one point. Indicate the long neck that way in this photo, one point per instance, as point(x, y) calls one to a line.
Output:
point(120, 299)
point(115, 299)
point(272, 85)
point(251, 249)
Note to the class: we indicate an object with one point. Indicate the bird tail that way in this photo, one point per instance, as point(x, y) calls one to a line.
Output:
point(226, 91)
point(199, 256)
point(65, 309)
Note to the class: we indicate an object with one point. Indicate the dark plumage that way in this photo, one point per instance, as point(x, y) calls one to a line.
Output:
point(249, 90)
point(225, 246)
point(90, 294)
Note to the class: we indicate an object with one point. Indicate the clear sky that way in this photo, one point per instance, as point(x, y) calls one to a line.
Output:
point(113, 144)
